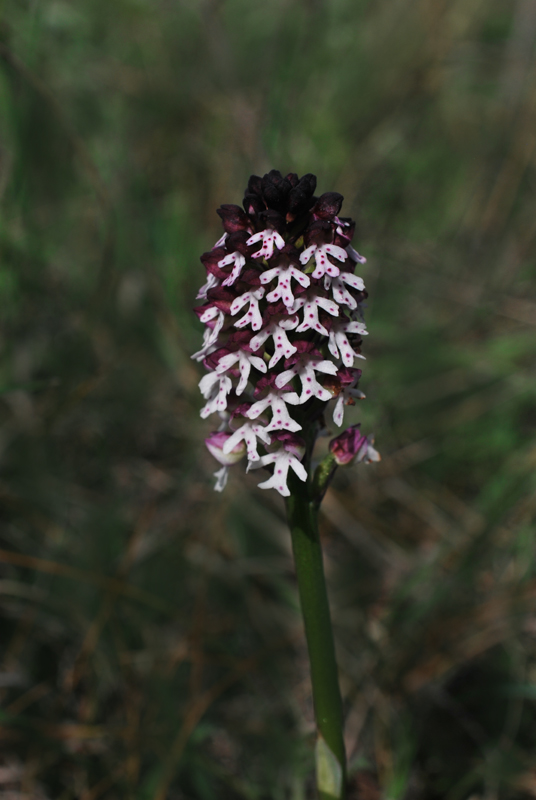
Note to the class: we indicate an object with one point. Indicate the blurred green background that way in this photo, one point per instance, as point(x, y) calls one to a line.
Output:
point(150, 639)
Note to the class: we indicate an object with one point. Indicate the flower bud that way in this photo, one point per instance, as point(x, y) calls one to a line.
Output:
point(215, 443)
point(351, 445)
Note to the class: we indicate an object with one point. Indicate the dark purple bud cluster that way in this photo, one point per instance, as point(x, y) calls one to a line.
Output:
point(284, 323)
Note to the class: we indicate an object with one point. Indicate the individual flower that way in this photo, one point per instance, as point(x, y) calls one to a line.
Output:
point(217, 445)
point(283, 290)
point(305, 364)
point(249, 433)
point(323, 264)
point(253, 316)
point(245, 361)
point(338, 340)
point(311, 302)
point(276, 399)
point(277, 330)
point(287, 456)
point(344, 387)
point(214, 389)
point(351, 445)
point(341, 293)
point(268, 238)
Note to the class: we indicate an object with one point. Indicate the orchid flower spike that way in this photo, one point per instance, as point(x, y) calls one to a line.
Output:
point(283, 312)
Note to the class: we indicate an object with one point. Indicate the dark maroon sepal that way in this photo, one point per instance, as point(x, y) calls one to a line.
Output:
point(348, 375)
point(327, 206)
point(233, 218)
point(268, 382)
point(237, 242)
point(211, 259)
point(253, 204)
point(249, 278)
point(275, 190)
point(271, 219)
point(242, 410)
point(239, 339)
point(301, 196)
point(318, 232)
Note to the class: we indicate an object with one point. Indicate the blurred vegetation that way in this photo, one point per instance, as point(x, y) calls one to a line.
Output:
point(150, 639)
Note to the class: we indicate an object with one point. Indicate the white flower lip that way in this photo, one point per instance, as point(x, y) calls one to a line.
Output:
point(282, 461)
point(323, 264)
point(283, 289)
point(269, 238)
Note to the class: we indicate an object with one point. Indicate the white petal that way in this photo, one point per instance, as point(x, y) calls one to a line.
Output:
point(307, 253)
point(285, 377)
point(338, 411)
point(291, 397)
point(300, 276)
point(270, 274)
point(327, 367)
point(299, 469)
point(258, 363)
point(239, 302)
point(328, 305)
point(256, 237)
point(261, 433)
point(276, 483)
point(336, 252)
point(355, 255)
point(207, 383)
point(226, 362)
point(259, 339)
point(222, 476)
point(352, 280)
point(257, 408)
point(279, 241)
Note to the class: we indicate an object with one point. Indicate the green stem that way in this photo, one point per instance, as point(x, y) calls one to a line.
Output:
point(302, 513)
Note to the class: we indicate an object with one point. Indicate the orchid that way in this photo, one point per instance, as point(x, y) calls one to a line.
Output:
point(273, 371)
point(281, 317)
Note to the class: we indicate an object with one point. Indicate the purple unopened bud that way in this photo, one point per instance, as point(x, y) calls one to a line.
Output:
point(351, 445)
point(328, 205)
point(215, 443)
